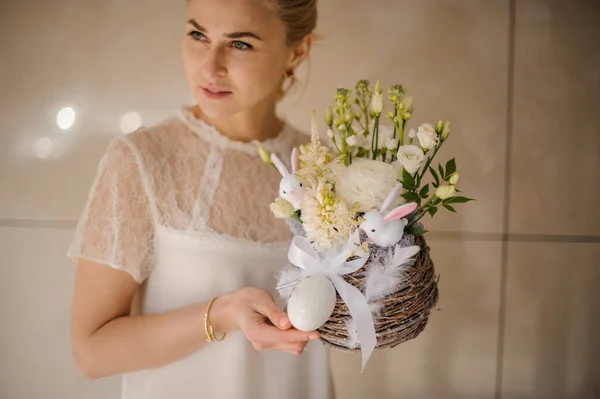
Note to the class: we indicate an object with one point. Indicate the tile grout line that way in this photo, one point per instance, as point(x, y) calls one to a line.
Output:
point(448, 235)
point(510, 84)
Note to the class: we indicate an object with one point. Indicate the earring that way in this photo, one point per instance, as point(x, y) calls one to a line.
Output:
point(289, 73)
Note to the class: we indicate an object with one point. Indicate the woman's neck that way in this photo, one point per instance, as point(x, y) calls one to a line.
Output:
point(246, 126)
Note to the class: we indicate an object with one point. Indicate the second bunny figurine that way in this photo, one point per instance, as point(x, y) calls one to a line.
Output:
point(386, 229)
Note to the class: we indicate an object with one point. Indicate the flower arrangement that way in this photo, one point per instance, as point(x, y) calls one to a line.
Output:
point(361, 272)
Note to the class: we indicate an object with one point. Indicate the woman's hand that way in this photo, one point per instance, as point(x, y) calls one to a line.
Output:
point(267, 327)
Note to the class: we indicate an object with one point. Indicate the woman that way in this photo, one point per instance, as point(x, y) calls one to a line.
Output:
point(178, 216)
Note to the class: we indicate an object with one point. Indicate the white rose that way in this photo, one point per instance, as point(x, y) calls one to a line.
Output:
point(445, 191)
point(411, 158)
point(282, 208)
point(427, 136)
point(366, 183)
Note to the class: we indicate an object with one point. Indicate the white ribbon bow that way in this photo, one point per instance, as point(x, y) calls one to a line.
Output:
point(334, 265)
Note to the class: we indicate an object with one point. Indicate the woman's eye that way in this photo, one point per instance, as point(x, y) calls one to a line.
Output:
point(242, 46)
point(197, 35)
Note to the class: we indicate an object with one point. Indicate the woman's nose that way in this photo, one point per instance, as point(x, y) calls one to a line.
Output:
point(214, 67)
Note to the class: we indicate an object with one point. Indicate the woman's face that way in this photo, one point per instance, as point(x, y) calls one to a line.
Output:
point(235, 55)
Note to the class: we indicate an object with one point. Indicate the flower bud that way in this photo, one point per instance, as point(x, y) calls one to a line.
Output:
point(265, 156)
point(377, 89)
point(445, 131)
point(328, 116)
point(439, 127)
point(377, 104)
point(342, 128)
point(454, 179)
point(330, 133)
point(282, 208)
point(351, 140)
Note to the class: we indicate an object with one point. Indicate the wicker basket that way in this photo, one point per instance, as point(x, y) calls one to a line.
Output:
point(404, 313)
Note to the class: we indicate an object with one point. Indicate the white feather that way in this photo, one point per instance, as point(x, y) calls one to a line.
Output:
point(375, 308)
point(352, 333)
point(386, 275)
point(286, 277)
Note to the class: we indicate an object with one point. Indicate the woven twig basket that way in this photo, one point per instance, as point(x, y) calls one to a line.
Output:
point(404, 313)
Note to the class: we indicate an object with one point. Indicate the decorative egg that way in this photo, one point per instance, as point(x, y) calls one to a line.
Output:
point(311, 303)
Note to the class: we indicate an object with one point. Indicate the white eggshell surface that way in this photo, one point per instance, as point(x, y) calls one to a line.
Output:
point(311, 303)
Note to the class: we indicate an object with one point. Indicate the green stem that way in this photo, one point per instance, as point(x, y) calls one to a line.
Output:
point(424, 170)
point(424, 209)
point(400, 142)
point(344, 149)
point(375, 138)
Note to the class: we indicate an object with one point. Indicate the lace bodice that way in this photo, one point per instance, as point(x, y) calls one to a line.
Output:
point(184, 175)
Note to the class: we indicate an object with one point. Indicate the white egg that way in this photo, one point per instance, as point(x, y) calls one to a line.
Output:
point(311, 303)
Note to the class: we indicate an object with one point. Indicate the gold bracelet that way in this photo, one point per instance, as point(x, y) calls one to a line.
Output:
point(208, 328)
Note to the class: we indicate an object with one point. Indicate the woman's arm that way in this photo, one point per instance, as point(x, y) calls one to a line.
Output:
point(107, 340)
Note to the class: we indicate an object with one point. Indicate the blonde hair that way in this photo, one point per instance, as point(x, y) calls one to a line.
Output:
point(300, 20)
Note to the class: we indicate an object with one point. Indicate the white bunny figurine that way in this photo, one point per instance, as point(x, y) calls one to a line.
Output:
point(386, 229)
point(290, 188)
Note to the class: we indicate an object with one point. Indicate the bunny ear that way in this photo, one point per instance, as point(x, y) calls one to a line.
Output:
point(391, 198)
point(399, 212)
point(295, 159)
point(283, 171)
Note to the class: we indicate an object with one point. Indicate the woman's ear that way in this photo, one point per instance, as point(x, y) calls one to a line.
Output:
point(300, 51)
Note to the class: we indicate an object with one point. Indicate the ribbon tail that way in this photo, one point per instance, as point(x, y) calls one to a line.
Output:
point(359, 310)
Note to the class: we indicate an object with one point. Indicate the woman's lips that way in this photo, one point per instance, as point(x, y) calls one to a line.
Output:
point(215, 94)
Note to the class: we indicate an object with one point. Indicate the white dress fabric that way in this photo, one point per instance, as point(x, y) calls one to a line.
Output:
point(185, 211)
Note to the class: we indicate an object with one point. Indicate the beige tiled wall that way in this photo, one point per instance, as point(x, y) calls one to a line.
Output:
point(520, 81)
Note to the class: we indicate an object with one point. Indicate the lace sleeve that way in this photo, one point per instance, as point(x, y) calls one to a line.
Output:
point(116, 227)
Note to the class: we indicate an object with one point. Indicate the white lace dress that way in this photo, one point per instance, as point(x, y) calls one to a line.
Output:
point(185, 211)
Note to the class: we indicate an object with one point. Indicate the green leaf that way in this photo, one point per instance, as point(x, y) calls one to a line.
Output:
point(424, 191)
point(441, 169)
point(408, 182)
point(450, 168)
point(435, 176)
point(450, 208)
point(457, 200)
point(432, 211)
point(416, 231)
point(411, 196)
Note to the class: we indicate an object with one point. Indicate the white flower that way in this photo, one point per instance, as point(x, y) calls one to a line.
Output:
point(454, 179)
point(282, 208)
point(327, 219)
point(412, 133)
point(377, 103)
point(351, 140)
point(427, 136)
point(445, 191)
point(366, 183)
point(411, 158)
